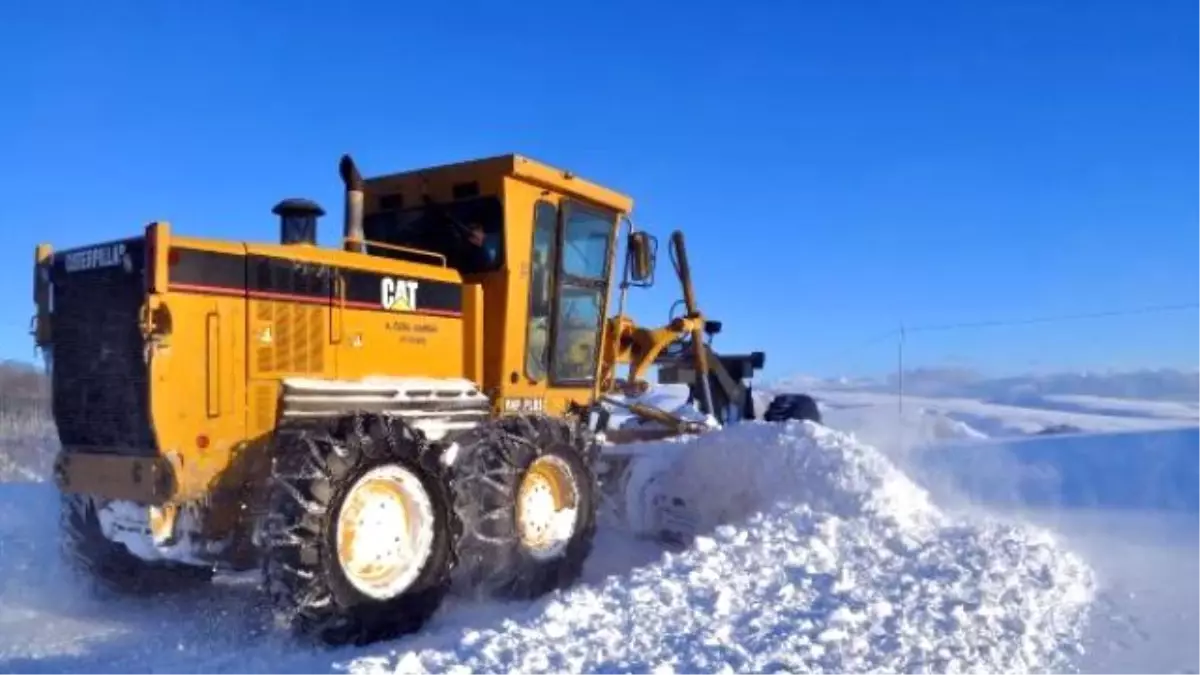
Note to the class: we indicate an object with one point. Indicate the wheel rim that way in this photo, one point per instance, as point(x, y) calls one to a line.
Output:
point(385, 531)
point(546, 507)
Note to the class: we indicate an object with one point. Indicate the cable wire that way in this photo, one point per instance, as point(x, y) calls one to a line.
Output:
point(1054, 318)
point(900, 333)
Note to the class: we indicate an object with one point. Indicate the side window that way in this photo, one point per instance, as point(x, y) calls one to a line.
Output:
point(541, 283)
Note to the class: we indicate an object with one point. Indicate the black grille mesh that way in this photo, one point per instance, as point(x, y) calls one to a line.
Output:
point(101, 398)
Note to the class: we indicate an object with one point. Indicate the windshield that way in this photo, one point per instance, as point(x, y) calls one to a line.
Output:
point(585, 245)
point(468, 233)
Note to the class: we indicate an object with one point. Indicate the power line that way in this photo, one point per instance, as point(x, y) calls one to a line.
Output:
point(900, 333)
point(1054, 318)
point(867, 343)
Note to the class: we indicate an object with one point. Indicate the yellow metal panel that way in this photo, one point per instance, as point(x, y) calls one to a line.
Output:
point(489, 172)
point(197, 373)
point(399, 344)
point(567, 182)
point(473, 335)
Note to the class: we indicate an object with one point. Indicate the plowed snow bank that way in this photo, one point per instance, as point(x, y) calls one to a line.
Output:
point(818, 555)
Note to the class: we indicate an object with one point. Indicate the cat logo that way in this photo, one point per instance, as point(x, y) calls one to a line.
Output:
point(398, 295)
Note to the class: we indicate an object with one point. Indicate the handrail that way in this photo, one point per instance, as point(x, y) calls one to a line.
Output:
point(393, 247)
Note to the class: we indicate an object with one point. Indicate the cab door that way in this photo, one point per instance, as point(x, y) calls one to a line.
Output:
point(568, 291)
point(585, 235)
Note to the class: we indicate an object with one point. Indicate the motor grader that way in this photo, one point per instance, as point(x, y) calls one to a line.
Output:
point(367, 425)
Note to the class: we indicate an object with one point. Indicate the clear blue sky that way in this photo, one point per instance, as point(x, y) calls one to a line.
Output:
point(839, 167)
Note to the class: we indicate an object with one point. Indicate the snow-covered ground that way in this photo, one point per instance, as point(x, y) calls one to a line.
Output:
point(886, 419)
point(1119, 484)
point(900, 540)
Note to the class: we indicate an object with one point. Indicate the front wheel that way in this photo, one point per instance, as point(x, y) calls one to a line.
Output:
point(526, 496)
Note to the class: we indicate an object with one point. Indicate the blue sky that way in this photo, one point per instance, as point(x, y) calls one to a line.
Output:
point(839, 167)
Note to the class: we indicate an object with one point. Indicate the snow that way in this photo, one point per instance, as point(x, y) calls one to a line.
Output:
point(944, 535)
point(865, 412)
point(1122, 490)
point(817, 555)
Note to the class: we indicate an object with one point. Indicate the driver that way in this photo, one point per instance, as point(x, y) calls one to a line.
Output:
point(479, 256)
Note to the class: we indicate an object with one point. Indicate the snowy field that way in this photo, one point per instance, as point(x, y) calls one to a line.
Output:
point(1118, 483)
point(945, 535)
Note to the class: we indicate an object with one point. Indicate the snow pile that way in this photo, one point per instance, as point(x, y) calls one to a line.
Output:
point(815, 555)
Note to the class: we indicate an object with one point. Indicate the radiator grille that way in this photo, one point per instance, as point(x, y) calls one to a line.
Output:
point(98, 367)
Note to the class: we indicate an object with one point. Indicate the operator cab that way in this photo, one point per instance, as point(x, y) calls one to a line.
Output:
point(540, 242)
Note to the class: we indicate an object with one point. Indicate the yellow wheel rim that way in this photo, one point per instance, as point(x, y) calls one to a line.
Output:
point(384, 531)
point(547, 499)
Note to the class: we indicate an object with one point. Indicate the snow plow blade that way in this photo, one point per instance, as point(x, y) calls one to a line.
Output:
point(631, 470)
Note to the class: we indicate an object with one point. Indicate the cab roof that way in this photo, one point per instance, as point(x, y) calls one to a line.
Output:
point(526, 169)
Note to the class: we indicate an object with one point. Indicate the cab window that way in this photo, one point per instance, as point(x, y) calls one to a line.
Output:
point(468, 233)
point(583, 267)
point(541, 285)
point(585, 249)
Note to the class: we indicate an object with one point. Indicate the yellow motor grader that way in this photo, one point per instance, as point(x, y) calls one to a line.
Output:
point(425, 404)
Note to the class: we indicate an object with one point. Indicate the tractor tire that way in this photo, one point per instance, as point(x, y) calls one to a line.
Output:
point(506, 473)
point(108, 566)
point(328, 479)
point(793, 407)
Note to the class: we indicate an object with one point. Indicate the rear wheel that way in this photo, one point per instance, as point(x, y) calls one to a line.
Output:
point(526, 495)
point(358, 531)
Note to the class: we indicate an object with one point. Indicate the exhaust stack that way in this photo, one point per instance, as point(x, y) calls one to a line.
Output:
point(352, 232)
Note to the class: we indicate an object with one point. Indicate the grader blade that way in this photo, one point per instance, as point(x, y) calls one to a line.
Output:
point(634, 494)
point(633, 470)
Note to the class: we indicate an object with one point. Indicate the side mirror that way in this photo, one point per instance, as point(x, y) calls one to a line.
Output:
point(643, 249)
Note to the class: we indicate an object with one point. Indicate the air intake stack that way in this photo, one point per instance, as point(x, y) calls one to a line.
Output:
point(298, 220)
